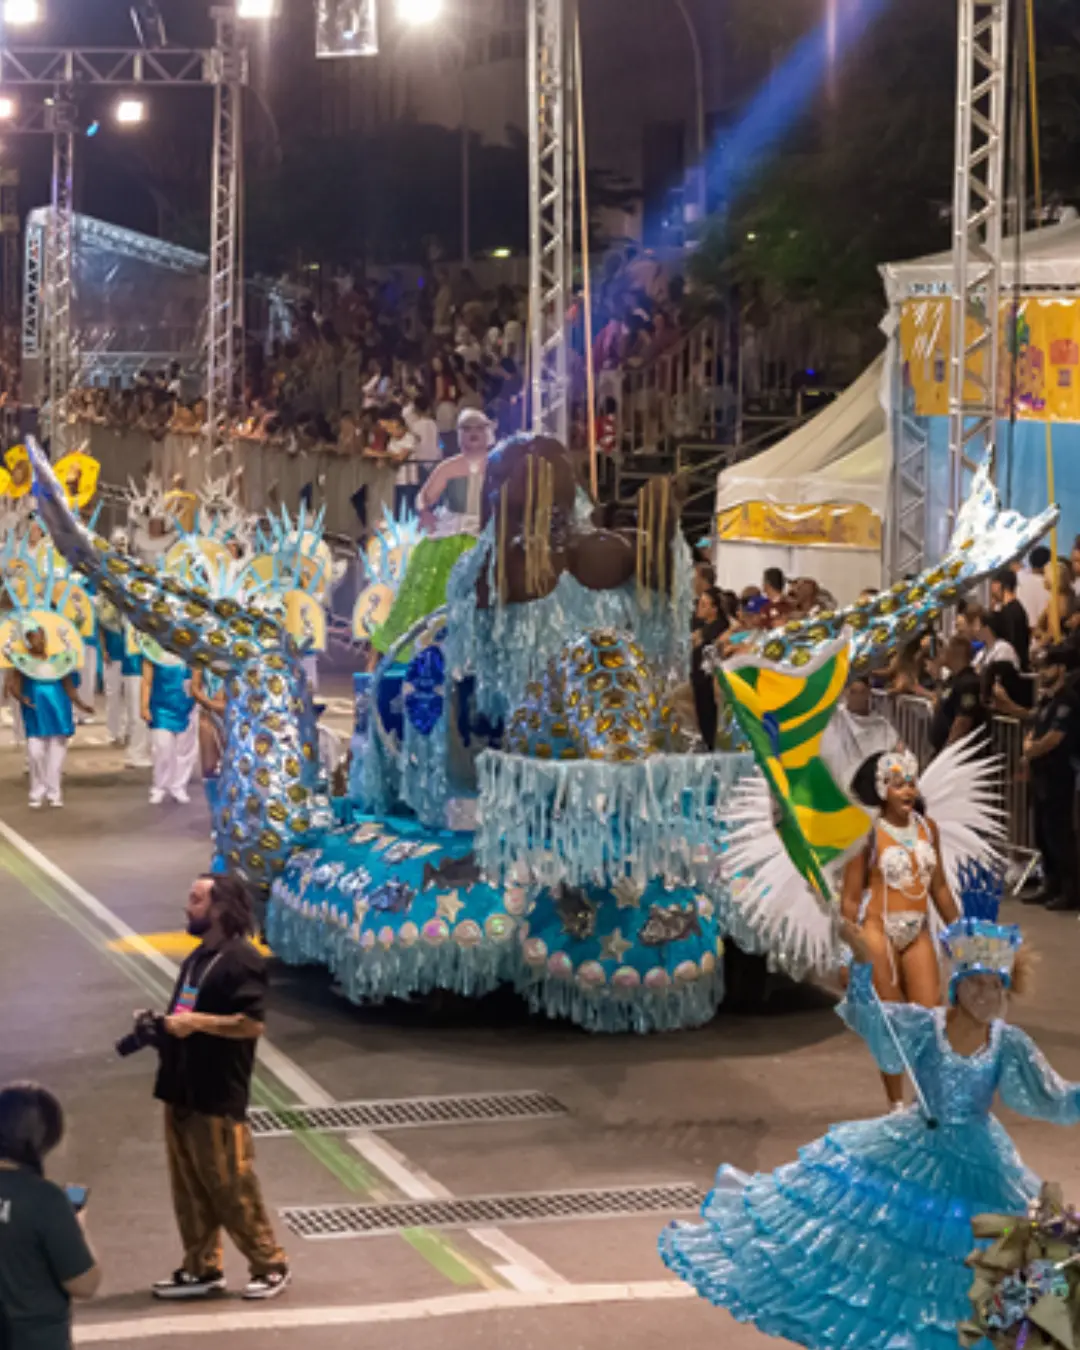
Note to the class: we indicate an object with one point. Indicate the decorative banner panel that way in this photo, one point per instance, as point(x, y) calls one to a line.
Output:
point(1039, 370)
point(821, 525)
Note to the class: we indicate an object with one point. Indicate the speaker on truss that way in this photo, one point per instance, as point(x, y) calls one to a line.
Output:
point(346, 28)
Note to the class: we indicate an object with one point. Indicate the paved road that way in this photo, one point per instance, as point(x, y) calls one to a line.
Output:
point(639, 1111)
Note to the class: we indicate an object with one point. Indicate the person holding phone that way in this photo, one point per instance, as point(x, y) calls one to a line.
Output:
point(45, 1257)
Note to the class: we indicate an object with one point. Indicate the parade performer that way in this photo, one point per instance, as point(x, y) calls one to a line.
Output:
point(894, 888)
point(457, 485)
point(46, 702)
point(209, 693)
point(862, 1241)
point(169, 710)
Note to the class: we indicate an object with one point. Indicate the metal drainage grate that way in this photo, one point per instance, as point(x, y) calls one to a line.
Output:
point(407, 1113)
point(346, 1221)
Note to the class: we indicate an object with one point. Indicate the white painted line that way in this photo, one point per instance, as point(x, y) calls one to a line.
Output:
point(284, 1317)
point(518, 1266)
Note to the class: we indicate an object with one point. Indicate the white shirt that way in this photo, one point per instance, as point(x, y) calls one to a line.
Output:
point(994, 652)
point(408, 474)
point(1032, 593)
point(426, 433)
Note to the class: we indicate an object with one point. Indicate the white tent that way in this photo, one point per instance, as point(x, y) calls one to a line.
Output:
point(1049, 259)
point(840, 457)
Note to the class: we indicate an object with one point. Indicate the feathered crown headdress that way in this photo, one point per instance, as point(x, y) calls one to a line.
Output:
point(979, 947)
point(897, 766)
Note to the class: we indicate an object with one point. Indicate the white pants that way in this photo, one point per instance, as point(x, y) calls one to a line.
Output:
point(88, 685)
point(115, 708)
point(311, 668)
point(46, 757)
point(18, 735)
point(138, 750)
point(174, 755)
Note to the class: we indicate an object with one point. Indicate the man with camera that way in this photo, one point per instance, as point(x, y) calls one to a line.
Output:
point(206, 1043)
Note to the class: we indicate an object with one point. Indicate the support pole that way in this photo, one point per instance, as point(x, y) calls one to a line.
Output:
point(548, 279)
point(230, 74)
point(977, 229)
point(586, 280)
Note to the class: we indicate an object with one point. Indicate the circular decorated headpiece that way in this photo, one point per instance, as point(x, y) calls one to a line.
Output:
point(979, 947)
point(895, 769)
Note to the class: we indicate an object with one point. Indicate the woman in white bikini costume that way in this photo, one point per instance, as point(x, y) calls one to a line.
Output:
point(895, 889)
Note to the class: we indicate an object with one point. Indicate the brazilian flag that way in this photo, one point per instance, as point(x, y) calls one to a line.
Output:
point(783, 711)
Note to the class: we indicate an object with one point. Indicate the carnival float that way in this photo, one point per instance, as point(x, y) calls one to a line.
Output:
point(522, 805)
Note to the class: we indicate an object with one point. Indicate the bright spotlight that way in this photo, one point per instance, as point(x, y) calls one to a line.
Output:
point(9, 109)
point(256, 9)
point(22, 13)
point(418, 12)
point(130, 112)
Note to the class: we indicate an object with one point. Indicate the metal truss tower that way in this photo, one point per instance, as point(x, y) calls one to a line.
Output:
point(60, 357)
point(550, 212)
point(977, 229)
point(47, 296)
point(225, 310)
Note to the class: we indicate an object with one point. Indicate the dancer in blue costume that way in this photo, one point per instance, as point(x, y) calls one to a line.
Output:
point(48, 722)
point(169, 707)
point(860, 1245)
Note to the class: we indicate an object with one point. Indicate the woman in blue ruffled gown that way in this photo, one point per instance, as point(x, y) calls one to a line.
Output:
point(860, 1244)
point(46, 704)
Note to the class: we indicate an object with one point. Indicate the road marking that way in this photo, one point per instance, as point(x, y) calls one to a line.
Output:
point(283, 1317)
point(519, 1267)
point(177, 944)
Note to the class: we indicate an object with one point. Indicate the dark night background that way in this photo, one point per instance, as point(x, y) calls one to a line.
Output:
point(864, 175)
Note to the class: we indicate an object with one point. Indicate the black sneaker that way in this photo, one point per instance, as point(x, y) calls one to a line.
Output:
point(271, 1284)
point(182, 1285)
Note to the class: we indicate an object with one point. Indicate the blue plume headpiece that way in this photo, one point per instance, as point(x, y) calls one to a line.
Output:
point(981, 891)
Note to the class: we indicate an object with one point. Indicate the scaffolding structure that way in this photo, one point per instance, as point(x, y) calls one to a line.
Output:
point(47, 293)
point(550, 213)
point(978, 204)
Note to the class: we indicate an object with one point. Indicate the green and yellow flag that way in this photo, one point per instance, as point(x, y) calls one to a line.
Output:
point(783, 712)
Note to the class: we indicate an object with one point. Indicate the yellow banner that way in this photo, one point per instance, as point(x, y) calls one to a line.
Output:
point(827, 525)
point(1038, 364)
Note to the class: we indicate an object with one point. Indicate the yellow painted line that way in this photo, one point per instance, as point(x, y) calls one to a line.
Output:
point(179, 944)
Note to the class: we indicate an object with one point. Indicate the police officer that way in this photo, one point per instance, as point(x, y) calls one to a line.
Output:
point(960, 709)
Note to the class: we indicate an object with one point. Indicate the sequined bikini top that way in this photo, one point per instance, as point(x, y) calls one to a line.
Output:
point(907, 859)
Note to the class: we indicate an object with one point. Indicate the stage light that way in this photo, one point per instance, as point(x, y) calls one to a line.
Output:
point(256, 9)
point(418, 12)
point(93, 128)
point(22, 13)
point(130, 112)
point(500, 253)
point(9, 109)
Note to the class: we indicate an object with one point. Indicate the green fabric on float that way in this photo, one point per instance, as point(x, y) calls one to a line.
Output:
point(423, 589)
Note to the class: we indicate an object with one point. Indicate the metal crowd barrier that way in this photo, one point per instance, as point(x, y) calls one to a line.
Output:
point(911, 716)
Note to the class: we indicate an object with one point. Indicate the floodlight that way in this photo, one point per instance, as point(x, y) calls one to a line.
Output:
point(22, 13)
point(9, 109)
point(256, 9)
point(130, 112)
point(418, 12)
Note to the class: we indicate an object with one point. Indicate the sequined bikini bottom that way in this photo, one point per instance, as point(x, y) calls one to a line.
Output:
point(902, 929)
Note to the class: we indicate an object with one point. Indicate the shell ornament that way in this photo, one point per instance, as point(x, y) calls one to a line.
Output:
point(270, 803)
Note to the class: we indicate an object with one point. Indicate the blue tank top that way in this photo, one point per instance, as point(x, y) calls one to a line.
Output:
point(51, 714)
point(170, 703)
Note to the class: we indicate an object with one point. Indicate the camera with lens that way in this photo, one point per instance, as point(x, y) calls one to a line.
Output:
point(149, 1030)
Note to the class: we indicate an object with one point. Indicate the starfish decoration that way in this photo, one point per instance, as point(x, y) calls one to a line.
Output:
point(628, 893)
point(449, 906)
point(614, 947)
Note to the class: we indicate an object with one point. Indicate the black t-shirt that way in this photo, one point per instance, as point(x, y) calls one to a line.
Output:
point(210, 1074)
point(709, 632)
point(41, 1247)
point(964, 699)
point(1017, 631)
point(1059, 712)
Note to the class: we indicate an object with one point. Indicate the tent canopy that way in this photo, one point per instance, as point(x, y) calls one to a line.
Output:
point(1049, 258)
point(841, 454)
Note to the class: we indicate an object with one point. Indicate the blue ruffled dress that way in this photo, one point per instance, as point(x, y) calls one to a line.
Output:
point(860, 1244)
point(171, 704)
